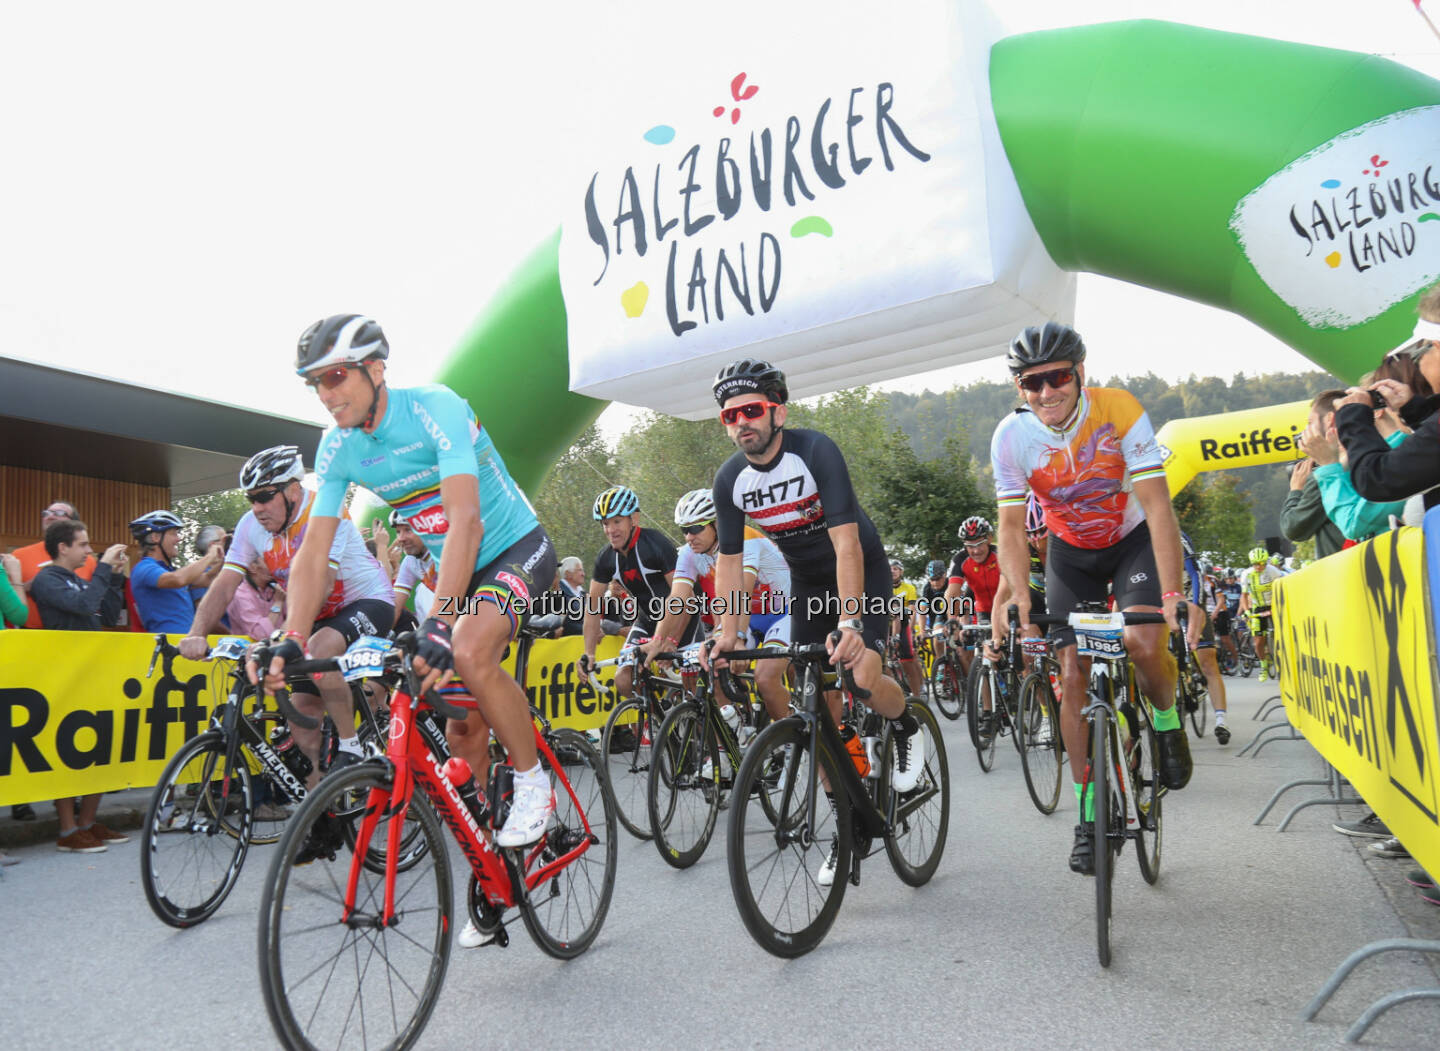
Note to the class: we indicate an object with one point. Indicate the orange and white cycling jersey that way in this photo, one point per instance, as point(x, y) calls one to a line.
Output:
point(1082, 472)
point(357, 574)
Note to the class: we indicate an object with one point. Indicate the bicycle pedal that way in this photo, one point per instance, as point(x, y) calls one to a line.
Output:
point(855, 871)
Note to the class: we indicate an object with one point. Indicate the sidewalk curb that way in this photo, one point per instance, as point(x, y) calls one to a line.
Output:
point(47, 829)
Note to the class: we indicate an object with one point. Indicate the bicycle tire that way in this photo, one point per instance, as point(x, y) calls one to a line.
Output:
point(978, 690)
point(299, 918)
point(1149, 799)
point(771, 861)
point(683, 800)
point(916, 840)
point(1042, 752)
point(1200, 715)
point(565, 920)
point(946, 688)
point(167, 834)
point(627, 763)
point(1100, 728)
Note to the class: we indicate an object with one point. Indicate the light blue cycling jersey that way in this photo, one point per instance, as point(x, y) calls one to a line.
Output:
point(427, 434)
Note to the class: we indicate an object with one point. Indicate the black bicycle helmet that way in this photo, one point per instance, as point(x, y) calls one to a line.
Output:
point(750, 376)
point(1043, 344)
point(935, 569)
point(338, 340)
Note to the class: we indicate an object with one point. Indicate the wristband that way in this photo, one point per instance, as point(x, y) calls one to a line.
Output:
point(295, 635)
point(1170, 594)
point(275, 609)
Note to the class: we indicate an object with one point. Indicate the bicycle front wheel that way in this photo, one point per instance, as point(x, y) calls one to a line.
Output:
point(1105, 827)
point(197, 831)
point(626, 746)
point(684, 794)
point(788, 875)
point(566, 908)
point(1042, 752)
point(332, 971)
point(1149, 795)
point(946, 687)
point(916, 839)
point(980, 714)
point(1199, 714)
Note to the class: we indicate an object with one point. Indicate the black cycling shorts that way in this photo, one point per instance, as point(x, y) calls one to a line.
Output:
point(1222, 623)
point(815, 610)
point(907, 639)
point(1076, 575)
point(368, 616)
point(517, 578)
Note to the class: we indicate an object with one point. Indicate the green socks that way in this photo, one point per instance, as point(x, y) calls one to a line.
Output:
point(1166, 720)
point(1087, 803)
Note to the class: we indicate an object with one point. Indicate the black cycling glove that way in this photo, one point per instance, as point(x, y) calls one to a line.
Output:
point(287, 647)
point(434, 644)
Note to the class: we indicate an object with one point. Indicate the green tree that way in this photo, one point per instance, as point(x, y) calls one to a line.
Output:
point(224, 508)
point(1217, 516)
point(565, 498)
point(664, 457)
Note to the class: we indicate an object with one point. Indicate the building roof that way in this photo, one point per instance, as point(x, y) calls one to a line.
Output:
point(76, 423)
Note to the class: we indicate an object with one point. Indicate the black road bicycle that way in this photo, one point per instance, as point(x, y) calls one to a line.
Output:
point(227, 788)
point(802, 816)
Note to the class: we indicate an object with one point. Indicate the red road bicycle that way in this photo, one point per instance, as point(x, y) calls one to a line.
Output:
point(354, 946)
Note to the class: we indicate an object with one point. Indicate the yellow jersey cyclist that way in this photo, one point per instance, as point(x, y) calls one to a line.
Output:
point(902, 626)
point(765, 617)
point(422, 451)
point(1090, 457)
point(1255, 587)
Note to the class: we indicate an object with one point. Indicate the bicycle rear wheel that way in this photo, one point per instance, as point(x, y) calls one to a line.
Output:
point(1042, 753)
point(980, 714)
point(946, 687)
point(193, 848)
point(1100, 729)
point(328, 982)
point(566, 909)
point(916, 839)
point(1149, 795)
point(1199, 714)
point(776, 867)
point(684, 794)
point(626, 746)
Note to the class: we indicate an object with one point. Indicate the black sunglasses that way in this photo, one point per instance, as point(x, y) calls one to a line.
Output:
point(694, 530)
point(262, 496)
point(1057, 378)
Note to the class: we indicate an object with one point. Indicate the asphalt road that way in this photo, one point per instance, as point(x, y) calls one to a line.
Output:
point(998, 950)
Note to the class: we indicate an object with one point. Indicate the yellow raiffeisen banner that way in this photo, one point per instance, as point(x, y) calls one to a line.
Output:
point(1357, 673)
point(77, 714)
point(1231, 439)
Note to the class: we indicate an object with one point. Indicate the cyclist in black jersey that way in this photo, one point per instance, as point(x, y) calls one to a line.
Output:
point(795, 487)
point(643, 561)
point(933, 593)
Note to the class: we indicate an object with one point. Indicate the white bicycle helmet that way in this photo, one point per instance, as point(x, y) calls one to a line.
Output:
point(696, 507)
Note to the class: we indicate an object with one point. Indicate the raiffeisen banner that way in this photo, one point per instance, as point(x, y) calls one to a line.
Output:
point(1231, 439)
point(828, 193)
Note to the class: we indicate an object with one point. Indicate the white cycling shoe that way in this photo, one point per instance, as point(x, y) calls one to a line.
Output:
point(530, 812)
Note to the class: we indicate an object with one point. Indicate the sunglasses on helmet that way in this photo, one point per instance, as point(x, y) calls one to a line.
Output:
point(751, 410)
point(330, 378)
point(1056, 378)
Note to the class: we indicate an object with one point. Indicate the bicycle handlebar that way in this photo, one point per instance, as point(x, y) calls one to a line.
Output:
point(804, 652)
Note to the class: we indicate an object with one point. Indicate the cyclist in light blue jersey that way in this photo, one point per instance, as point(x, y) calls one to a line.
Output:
point(422, 451)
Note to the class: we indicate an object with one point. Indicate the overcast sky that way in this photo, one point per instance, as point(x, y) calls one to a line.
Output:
point(189, 185)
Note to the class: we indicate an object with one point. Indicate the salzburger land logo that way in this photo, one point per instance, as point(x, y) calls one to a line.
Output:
point(1344, 232)
point(719, 177)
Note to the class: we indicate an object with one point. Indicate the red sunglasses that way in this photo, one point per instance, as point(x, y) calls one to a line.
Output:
point(330, 378)
point(1057, 378)
point(751, 410)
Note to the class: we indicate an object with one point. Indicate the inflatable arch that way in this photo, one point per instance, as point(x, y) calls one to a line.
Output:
point(1290, 184)
point(1228, 440)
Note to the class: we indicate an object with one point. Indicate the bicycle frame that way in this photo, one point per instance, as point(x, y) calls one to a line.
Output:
point(411, 762)
point(1102, 695)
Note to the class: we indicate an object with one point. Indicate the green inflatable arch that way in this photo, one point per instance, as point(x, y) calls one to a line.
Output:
point(1132, 143)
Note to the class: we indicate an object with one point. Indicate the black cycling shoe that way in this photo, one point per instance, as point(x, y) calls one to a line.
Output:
point(343, 759)
point(1222, 733)
point(1082, 854)
point(323, 841)
point(1176, 765)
